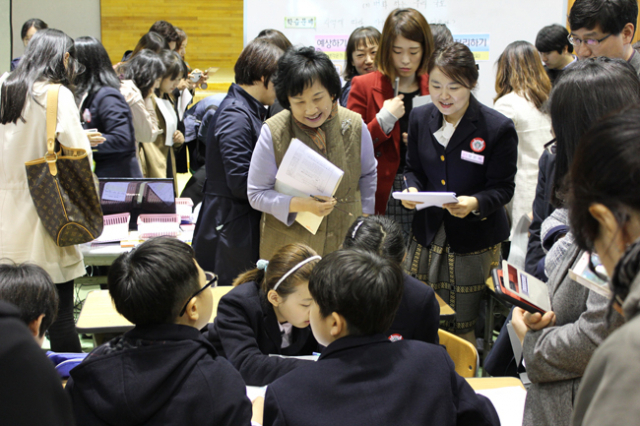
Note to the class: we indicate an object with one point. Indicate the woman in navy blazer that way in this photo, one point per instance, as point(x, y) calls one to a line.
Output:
point(103, 107)
point(267, 313)
point(226, 238)
point(458, 145)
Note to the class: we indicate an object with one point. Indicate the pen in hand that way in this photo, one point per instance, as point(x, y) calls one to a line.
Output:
point(336, 208)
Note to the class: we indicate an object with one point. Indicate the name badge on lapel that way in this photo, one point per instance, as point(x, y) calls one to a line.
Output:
point(471, 157)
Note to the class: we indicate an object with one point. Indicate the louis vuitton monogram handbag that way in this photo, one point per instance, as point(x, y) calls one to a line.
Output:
point(63, 188)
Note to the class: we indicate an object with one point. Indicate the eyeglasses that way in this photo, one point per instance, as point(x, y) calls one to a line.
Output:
point(212, 281)
point(591, 42)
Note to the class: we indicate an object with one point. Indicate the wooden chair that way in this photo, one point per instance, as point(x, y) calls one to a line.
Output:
point(463, 353)
point(218, 292)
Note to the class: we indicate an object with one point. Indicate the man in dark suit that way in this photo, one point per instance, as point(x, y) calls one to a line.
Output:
point(362, 378)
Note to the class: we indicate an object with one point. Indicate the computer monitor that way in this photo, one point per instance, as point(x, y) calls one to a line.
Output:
point(137, 196)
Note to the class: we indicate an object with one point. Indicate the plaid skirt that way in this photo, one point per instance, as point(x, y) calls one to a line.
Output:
point(459, 279)
point(395, 211)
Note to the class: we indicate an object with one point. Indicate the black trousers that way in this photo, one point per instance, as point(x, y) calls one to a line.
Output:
point(62, 333)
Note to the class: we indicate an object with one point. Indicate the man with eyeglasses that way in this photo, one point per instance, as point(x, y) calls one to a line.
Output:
point(604, 28)
point(555, 50)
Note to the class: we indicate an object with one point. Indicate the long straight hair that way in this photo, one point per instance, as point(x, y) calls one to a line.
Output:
point(520, 70)
point(99, 72)
point(43, 60)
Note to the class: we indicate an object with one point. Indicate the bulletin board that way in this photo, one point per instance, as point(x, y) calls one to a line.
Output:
point(486, 26)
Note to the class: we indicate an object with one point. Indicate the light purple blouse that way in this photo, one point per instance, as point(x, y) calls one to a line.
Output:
point(262, 178)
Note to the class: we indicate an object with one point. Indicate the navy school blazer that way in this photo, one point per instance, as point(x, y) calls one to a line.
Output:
point(418, 315)
point(490, 138)
point(246, 331)
point(368, 380)
point(107, 111)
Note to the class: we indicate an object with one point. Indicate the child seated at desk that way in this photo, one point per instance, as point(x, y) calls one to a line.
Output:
point(163, 371)
point(418, 315)
point(362, 378)
point(267, 313)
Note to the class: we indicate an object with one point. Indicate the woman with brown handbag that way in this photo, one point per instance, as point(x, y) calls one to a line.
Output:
point(48, 59)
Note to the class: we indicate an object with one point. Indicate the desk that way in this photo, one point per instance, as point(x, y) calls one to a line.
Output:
point(480, 383)
point(99, 315)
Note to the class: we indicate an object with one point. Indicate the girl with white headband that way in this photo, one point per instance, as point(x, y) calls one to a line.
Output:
point(268, 313)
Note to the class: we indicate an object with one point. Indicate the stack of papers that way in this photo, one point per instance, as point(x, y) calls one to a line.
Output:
point(427, 199)
point(302, 173)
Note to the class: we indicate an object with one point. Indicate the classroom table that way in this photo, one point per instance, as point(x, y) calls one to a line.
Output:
point(446, 312)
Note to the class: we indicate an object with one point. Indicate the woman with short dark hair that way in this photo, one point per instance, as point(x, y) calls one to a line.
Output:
point(308, 86)
point(29, 28)
point(226, 238)
point(103, 107)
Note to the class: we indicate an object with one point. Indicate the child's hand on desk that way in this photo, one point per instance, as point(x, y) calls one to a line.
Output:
point(523, 321)
point(410, 204)
point(463, 207)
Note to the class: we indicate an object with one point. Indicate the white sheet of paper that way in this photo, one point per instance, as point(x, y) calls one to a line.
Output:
point(255, 391)
point(428, 199)
point(421, 100)
point(170, 119)
point(115, 191)
point(185, 100)
point(304, 172)
point(508, 402)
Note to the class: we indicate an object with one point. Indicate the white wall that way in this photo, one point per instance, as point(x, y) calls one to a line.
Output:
point(5, 35)
point(75, 17)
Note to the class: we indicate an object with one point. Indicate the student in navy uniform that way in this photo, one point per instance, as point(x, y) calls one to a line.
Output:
point(29, 28)
point(458, 145)
point(418, 316)
point(267, 313)
point(163, 371)
point(362, 378)
point(103, 107)
point(227, 234)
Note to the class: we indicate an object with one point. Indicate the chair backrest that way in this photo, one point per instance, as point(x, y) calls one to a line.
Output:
point(462, 352)
point(218, 292)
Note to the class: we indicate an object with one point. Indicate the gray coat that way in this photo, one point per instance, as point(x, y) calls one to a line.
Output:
point(556, 357)
point(608, 393)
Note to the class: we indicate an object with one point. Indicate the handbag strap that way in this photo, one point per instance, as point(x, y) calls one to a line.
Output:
point(52, 118)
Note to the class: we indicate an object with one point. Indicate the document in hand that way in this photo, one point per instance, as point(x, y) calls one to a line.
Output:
point(302, 173)
point(583, 275)
point(428, 199)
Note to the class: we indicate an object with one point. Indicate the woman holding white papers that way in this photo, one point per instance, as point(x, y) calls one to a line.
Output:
point(308, 86)
point(458, 145)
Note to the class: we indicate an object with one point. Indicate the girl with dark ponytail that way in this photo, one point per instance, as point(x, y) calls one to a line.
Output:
point(268, 313)
point(418, 315)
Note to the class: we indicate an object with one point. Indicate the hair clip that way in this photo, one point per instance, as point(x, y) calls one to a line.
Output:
point(355, 230)
point(295, 268)
point(262, 265)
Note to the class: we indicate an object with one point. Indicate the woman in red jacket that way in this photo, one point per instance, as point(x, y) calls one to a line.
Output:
point(404, 51)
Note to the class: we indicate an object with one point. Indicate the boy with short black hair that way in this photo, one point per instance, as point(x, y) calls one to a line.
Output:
point(555, 50)
point(362, 378)
point(31, 289)
point(605, 28)
point(163, 371)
